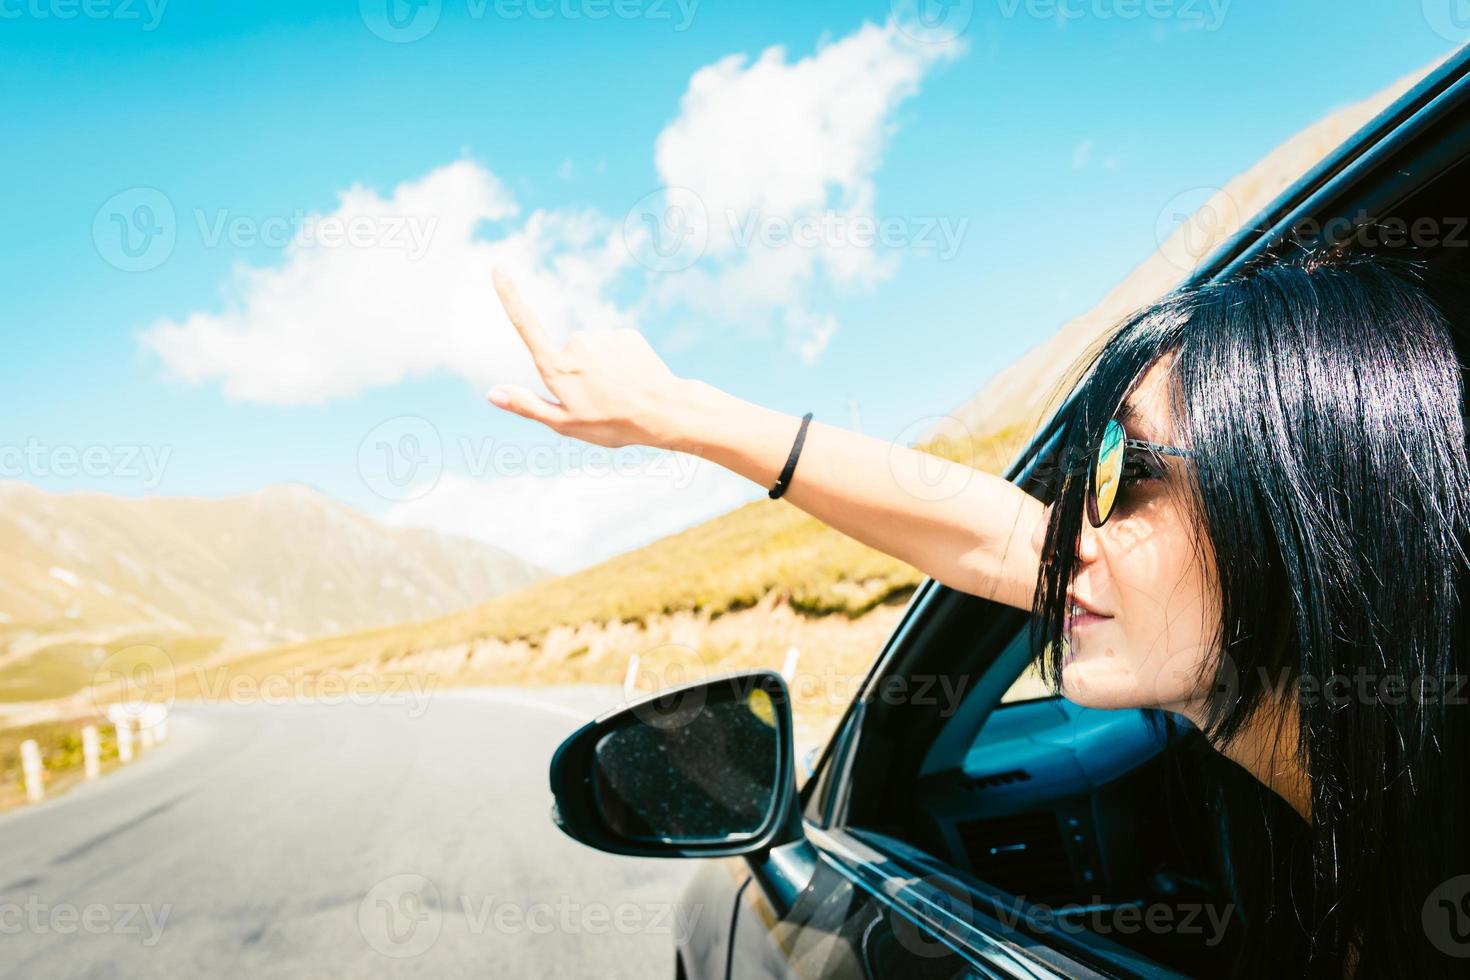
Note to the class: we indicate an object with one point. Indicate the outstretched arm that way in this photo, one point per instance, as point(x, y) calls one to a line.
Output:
point(970, 530)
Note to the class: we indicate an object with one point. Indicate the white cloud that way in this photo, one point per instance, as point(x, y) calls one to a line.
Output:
point(408, 296)
point(789, 137)
point(574, 519)
point(776, 148)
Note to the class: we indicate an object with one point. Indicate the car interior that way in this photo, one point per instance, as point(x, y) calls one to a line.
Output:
point(1087, 812)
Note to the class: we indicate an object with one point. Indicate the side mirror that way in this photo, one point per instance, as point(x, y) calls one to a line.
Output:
point(705, 770)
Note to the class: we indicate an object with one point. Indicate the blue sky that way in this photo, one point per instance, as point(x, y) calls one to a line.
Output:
point(1018, 154)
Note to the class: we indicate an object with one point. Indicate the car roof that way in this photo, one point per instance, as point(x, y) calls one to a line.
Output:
point(1438, 94)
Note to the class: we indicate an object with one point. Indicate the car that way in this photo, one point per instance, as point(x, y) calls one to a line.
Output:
point(983, 835)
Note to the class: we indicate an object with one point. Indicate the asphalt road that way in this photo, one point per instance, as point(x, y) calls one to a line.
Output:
point(368, 840)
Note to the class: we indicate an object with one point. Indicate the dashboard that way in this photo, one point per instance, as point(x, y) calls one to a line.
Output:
point(1041, 803)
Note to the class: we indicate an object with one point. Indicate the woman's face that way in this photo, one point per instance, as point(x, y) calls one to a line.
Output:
point(1152, 640)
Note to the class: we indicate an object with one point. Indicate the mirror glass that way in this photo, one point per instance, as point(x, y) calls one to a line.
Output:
point(697, 766)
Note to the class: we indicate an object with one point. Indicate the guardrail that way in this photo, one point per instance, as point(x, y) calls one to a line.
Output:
point(147, 723)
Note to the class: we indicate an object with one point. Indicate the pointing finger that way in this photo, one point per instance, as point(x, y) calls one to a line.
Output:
point(525, 323)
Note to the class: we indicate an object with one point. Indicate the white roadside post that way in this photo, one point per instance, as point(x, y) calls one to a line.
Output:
point(145, 734)
point(630, 680)
point(118, 715)
point(30, 764)
point(788, 669)
point(91, 752)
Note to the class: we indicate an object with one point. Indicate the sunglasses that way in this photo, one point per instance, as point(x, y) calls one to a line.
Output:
point(1115, 453)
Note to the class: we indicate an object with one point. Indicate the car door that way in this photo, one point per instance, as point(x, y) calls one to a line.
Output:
point(845, 902)
point(843, 925)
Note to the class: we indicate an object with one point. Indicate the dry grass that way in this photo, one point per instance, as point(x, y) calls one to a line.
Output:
point(730, 563)
point(65, 668)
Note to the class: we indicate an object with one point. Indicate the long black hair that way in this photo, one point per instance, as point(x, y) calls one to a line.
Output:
point(1331, 493)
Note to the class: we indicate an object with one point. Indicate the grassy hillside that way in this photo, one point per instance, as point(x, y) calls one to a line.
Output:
point(724, 565)
point(85, 575)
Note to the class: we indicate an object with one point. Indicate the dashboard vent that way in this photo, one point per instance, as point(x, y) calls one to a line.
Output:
point(1001, 779)
point(1022, 854)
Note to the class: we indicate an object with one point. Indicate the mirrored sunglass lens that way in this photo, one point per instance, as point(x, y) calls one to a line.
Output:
point(1107, 475)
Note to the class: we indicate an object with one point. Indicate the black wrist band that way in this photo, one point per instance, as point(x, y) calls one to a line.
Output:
point(784, 480)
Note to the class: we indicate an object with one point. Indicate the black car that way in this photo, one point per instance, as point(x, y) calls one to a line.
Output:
point(979, 835)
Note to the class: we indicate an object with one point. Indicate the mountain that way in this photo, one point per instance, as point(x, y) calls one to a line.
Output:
point(280, 565)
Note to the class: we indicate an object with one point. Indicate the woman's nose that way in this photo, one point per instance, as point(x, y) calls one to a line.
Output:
point(1088, 542)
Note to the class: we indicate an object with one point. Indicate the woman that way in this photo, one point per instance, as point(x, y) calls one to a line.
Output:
point(1261, 525)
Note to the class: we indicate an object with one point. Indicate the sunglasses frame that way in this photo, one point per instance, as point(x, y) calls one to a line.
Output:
point(1128, 443)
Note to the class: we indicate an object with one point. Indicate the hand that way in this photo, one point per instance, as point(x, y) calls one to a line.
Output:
point(611, 388)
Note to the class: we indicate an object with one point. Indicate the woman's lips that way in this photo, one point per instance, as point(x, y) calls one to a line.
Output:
point(1078, 620)
point(1080, 613)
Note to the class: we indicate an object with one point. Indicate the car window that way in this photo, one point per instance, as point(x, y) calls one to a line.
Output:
point(1052, 814)
point(1028, 687)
